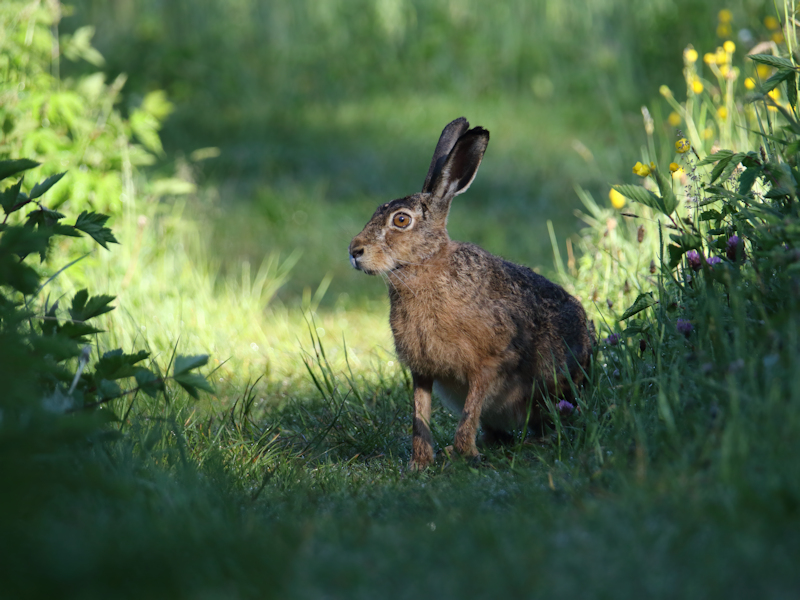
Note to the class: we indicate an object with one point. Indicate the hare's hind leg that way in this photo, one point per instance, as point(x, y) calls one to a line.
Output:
point(422, 442)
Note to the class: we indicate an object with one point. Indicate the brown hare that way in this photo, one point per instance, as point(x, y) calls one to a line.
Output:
point(493, 337)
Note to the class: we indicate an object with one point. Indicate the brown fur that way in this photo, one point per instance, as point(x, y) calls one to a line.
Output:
point(489, 334)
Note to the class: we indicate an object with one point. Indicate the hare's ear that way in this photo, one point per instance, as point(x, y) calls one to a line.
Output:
point(460, 167)
point(450, 134)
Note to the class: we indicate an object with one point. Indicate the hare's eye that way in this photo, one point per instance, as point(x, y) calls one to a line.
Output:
point(401, 220)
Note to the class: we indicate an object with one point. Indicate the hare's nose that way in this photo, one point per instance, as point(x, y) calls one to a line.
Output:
point(355, 254)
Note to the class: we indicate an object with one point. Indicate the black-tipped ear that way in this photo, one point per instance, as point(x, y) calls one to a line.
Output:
point(461, 166)
point(450, 134)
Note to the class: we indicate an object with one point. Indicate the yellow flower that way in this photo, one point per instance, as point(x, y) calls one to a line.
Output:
point(750, 83)
point(764, 71)
point(690, 55)
point(724, 70)
point(652, 166)
point(771, 22)
point(775, 94)
point(709, 58)
point(722, 113)
point(674, 119)
point(729, 47)
point(682, 146)
point(697, 86)
point(617, 199)
point(641, 170)
point(708, 133)
point(674, 168)
point(665, 91)
point(724, 30)
point(725, 16)
point(777, 37)
point(721, 57)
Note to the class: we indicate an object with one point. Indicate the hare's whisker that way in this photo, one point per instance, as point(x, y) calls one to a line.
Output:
point(403, 281)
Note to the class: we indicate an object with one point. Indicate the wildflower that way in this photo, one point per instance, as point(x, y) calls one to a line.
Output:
point(750, 83)
point(612, 340)
point(652, 166)
point(682, 146)
point(713, 260)
point(565, 407)
point(708, 133)
point(724, 70)
point(693, 258)
point(665, 91)
point(775, 94)
point(771, 22)
point(690, 55)
point(684, 326)
point(763, 71)
point(641, 170)
point(709, 58)
point(725, 16)
point(674, 167)
point(735, 248)
point(777, 37)
point(617, 199)
point(721, 57)
point(674, 119)
point(729, 47)
point(722, 113)
point(724, 30)
point(697, 86)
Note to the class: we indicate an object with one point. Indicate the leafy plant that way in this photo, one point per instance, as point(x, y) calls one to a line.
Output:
point(45, 353)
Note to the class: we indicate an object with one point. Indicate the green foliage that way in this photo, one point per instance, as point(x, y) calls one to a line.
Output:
point(47, 342)
point(74, 123)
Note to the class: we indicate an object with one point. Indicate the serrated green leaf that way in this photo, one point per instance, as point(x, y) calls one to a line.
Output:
point(12, 167)
point(93, 224)
point(712, 158)
point(10, 197)
point(639, 194)
point(187, 363)
point(191, 382)
point(85, 308)
point(77, 331)
point(772, 61)
point(148, 382)
point(642, 302)
point(748, 179)
point(775, 80)
point(117, 365)
point(41, 187)
point(108, 389)
point(710, 215)
point(720, 167)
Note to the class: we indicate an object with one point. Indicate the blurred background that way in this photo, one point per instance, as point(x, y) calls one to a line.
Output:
point(240, 144)
point(323, 109)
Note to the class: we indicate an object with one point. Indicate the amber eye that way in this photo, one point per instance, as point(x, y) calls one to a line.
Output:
point(401, 220)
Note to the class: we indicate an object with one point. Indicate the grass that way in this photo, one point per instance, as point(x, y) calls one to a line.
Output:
point(676, 477)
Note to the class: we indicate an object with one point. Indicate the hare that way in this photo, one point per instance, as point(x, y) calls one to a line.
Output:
point(494, 338)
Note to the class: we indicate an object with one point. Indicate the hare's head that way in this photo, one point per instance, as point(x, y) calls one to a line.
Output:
point(412, 229)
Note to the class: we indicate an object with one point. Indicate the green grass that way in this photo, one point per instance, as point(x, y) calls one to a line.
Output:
point(676, 478)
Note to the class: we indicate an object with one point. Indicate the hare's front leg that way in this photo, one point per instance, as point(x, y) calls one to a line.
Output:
point(467, 429)
point(422, 443)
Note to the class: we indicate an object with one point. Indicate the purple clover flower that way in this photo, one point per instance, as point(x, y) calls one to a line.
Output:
point(694, 260)
point(684, 326)
point(613, 339)
point(713, 260)
point(732, 250)
point(565, 407)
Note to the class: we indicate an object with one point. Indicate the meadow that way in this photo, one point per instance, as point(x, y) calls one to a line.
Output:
point(258, 444)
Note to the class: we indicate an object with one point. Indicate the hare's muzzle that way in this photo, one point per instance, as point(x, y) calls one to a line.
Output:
point(356, 252)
